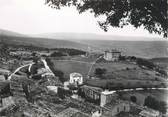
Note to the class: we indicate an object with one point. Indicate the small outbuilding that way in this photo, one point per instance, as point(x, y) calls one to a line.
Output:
point(76, 78)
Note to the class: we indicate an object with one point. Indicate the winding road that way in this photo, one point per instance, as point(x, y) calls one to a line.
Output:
point(10, 76)
point(30, 65)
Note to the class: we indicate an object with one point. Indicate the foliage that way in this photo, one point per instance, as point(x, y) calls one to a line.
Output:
point(58, 73)
point(133, 99)
point(57, 54)
point(81, 93)
point(122, 58)
point(155, 104)
point(69, 51)
point(146, 63)
point(63, 93)
point(100, 71)
point(151, 14)
point(34, 69)
point(161, 71)
point(4, 52)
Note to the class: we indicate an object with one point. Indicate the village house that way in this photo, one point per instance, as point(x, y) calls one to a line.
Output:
point(92, 92)
point(53, 89)
point(45, 73)
point(71, 112)
point(4, 71)
point(76, 78)
point(2, 78)
point(97, 93)
point(107, 96)
point(7, 104)
point(115, 107)
point(112, 55)
point(17, 89)
point(43, 53)
point(21, 53)
point(150, 113)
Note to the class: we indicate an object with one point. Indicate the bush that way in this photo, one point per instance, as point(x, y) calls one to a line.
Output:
point(57, 54)
point(122, 58)
point(63, 93)
point(146, 63)
point(58, 73)
point(100, 71)
point(155, 104)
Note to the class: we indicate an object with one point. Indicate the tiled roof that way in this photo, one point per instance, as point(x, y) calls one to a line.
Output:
point(114, 103)
point(96, 89)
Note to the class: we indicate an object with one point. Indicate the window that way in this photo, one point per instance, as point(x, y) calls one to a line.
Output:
point(118, 110)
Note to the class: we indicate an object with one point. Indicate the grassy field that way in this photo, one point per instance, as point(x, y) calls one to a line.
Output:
point(113, 66)
point(69, 66)
point(122, 83)
point(162, 62)
point(119, 74)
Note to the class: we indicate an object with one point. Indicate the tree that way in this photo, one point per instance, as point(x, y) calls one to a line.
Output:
point(151, 14)
point(57, 54)
point(100, 71)
point(155, 104)
point(133, 99)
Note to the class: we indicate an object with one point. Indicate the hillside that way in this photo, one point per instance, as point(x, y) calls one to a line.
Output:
point(146, 49)
point(11, 33)
point(42, 42)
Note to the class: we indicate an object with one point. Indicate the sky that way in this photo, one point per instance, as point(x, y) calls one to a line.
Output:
point(34, 17)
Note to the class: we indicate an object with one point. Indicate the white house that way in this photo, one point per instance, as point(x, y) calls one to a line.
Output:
point(76, 78)
point(112, 55)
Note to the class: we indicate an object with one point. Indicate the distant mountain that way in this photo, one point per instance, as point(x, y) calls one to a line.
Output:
point(148, 49)
point(11, 33)
point(92, 36)
point(10, 37)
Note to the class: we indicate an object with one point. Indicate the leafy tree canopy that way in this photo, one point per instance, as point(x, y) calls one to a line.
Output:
point(151, 14)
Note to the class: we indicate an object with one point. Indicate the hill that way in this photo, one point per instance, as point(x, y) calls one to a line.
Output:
point(11, 33)
point(93, 36)
point(145, 49)
point(41, 42)
point(139, 47)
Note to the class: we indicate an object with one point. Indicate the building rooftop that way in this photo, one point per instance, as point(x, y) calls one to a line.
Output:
point(113, 51)
point(113, 103)
point(4, 71)
point(106, 92)
point(75, 74)
point(96, 89)
point(149, 112)
point(9, 101)
point(67, 112)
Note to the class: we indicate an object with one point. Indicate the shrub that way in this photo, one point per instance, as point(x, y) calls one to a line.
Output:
point(100, 71)
point(155, 104)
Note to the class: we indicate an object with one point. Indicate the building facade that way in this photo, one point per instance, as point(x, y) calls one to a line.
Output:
point(115, 107)
point(92, 92)
point(106, 97)
point(76, 78)
point(112, 55)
